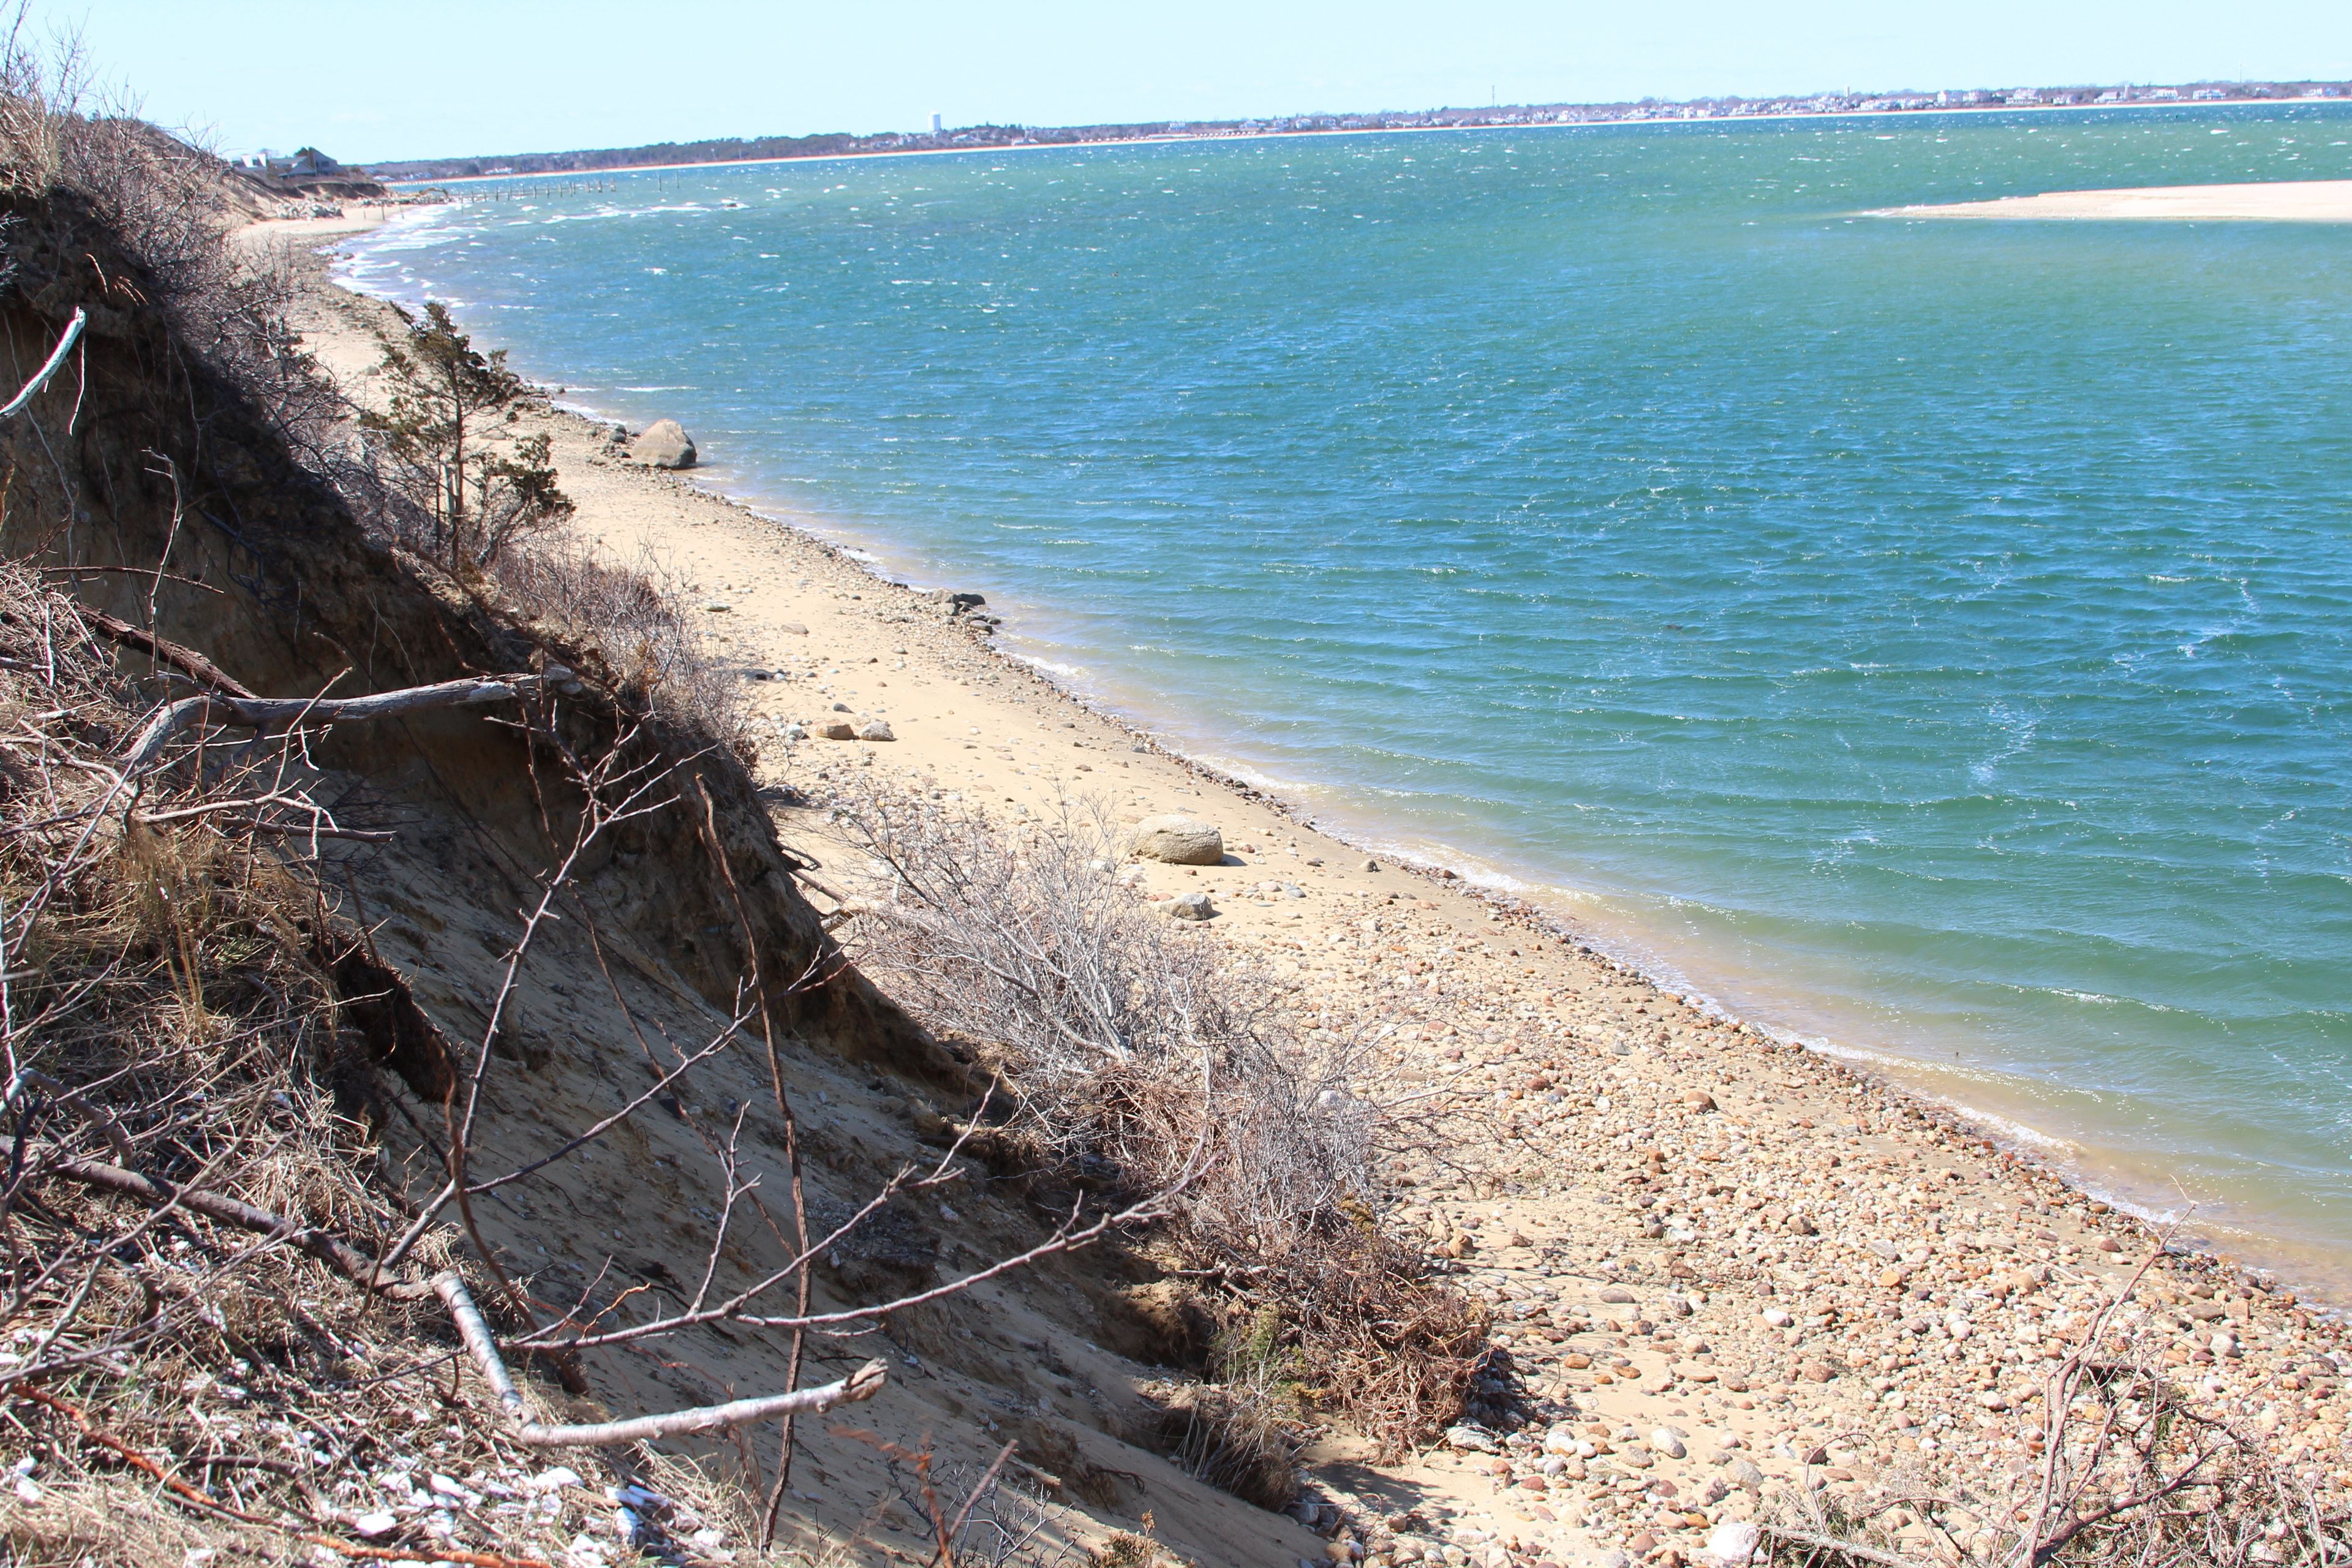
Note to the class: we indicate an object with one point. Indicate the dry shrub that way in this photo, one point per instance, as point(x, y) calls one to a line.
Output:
point(1132, 1050)
point(1369, 1323)
point(1135, 1053)
point(632, 622)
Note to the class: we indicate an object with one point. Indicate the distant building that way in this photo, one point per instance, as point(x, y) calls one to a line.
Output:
point(935, 125)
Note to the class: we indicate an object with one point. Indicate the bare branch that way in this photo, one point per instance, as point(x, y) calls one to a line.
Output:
point(16, 405)
point(864, 1383)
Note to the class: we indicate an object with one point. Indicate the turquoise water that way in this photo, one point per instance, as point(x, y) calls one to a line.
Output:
point(1929, 639)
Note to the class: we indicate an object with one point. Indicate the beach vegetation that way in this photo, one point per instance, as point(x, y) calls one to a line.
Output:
point(445, 403)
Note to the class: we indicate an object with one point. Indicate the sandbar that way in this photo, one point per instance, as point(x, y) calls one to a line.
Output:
point(2270, 201)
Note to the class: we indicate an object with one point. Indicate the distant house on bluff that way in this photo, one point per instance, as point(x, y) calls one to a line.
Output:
point(308, 164)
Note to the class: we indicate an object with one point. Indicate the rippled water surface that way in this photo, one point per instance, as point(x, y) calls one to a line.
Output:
point(1929, 638)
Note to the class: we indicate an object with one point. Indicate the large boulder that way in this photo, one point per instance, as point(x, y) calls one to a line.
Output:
point(663, 444)
point(1179, 840)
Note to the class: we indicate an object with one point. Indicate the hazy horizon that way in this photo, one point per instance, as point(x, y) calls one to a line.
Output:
point(373, 83)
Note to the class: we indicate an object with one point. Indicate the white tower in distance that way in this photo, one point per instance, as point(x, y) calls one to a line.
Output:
point(935, 125)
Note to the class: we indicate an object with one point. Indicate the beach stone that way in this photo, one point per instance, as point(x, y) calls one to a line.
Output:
point(1617, 1295)
point(837, 729)
point(1190, 906)
point(1469, 1440)
point(663, 444)
point(1744, 1472)
point(1699, 1099)
point(876, 729)
point(1816, 1372)
point(1733, 1544)
point(1669, 1442)
point(1179, 840)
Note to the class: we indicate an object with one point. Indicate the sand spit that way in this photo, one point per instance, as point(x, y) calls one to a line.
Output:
point(1721, 1267)
point(2278, 201)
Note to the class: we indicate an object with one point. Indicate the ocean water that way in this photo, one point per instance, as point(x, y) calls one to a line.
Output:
point(1929, 640)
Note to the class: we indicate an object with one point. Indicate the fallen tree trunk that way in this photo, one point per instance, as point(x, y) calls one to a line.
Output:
point(285, 712)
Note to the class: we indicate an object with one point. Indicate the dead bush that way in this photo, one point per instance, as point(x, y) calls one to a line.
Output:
point(1132, 1050)
point(631, 622)
point(1105, 1021)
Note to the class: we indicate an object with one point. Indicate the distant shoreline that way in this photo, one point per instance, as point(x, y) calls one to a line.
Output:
point(1176, 139)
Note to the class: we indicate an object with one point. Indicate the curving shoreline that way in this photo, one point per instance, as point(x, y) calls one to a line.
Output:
point(2116, 1149)
point(1781, 1175)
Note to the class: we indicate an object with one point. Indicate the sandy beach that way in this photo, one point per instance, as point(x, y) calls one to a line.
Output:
point(1742, 1264)
point(2285, 201)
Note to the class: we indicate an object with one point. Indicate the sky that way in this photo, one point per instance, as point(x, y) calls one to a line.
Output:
point(369, 80)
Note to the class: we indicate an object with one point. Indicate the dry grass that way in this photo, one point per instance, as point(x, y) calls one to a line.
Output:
point(166, 1005)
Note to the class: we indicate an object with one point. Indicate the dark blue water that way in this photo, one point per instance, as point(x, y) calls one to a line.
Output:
point(1929, 636)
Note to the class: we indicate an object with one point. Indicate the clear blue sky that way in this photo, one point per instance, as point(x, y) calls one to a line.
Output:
point(425, 78)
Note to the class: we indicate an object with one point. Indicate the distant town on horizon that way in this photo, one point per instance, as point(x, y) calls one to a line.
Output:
point(740, 150)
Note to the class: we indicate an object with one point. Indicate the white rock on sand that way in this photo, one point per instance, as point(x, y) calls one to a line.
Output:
point(1179, 840)
point(663, 444)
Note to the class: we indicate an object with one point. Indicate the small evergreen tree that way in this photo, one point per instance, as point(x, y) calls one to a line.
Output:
point(440, 421)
